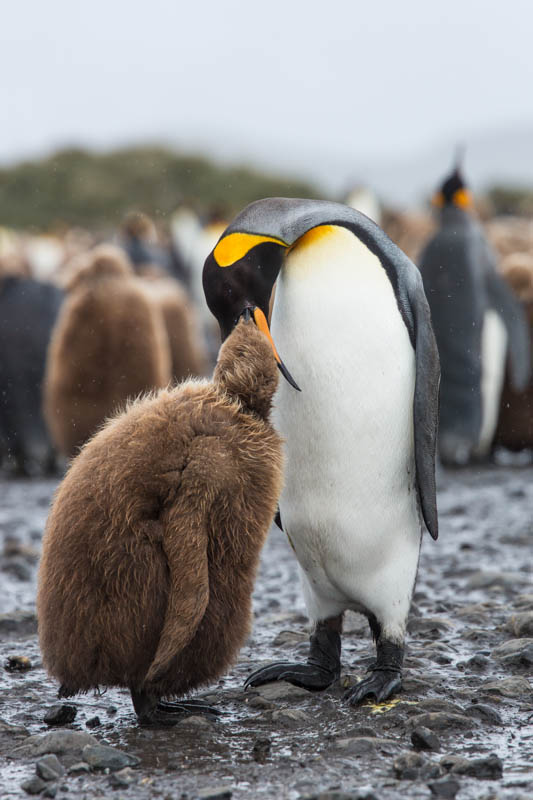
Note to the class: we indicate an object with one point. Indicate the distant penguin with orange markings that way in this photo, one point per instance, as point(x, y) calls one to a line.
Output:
point(477, 321)
point(109, 345)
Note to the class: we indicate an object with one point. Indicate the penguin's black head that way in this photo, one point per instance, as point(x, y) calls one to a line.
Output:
point(238, 279)
point(453, 192)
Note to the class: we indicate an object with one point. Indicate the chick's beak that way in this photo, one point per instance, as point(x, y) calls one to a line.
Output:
point(261, 322)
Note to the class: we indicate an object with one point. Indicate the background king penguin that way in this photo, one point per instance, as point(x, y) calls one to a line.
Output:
point(351, 321)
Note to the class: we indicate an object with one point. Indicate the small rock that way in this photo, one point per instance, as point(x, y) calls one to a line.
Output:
point(60, 714)
point(488, 579)
point(413, 766)
point(429, 627)
point(79, 768)
point(122, 779)
point(12, 731)
point(17, 664)
point(360, 745)
point(58, 742)
point(477, 663)
point(261, 750)
point(524, 601)
point(291, 717)
point(49, 768)
point(510, 687)
point(424, 739)
point(521, 624)
point(102, 756)
point(337, 794)
point(216, 793)
point(280, 690)
point(259, 702)
point(436, 704)
point(93, 722)
point(516, 653)
point(34, 785)
point(488, 768)
point(440, 721)
point(484, 713)
point(14, 547)
point(289, 638)
point(445, 787)
point(453, 763)
point(20, 623)
point(50, 791)
point(18, 568)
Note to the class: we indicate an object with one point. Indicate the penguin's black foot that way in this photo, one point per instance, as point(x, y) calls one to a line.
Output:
point(380, 684)
point(385, 677)
point(306, 676)
point(152, 711)
point(323, 665)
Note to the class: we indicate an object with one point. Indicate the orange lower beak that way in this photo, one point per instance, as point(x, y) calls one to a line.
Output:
point(261, 322)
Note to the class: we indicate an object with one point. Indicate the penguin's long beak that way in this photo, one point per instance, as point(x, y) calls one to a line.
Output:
point(260, 320)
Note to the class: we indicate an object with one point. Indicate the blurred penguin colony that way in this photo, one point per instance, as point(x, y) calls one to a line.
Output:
point(88, 322)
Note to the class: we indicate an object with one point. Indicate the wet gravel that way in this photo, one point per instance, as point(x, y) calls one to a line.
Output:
point(462, 727)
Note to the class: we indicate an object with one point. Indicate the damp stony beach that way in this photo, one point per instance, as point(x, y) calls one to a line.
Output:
point(463, 725)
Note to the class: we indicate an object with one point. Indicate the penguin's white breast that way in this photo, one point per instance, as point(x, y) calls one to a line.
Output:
point(349, 434)
point(493, 355)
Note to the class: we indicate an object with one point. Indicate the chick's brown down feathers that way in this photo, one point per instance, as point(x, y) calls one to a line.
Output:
point(154, 536)
point(109, 344)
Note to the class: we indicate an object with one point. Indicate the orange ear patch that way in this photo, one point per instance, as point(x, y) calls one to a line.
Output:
point(234, 246)
point(463, 198)
point(313, 236)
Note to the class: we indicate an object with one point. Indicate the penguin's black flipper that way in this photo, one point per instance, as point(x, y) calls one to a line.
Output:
point(426, 402)
point(502, 299)
point(277, 520)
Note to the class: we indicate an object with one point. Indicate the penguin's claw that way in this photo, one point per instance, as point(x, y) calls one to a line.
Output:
point(306, 676)
point(188, 707)
point(382, 684)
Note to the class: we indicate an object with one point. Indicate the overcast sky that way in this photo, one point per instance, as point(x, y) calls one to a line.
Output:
point(281, 82)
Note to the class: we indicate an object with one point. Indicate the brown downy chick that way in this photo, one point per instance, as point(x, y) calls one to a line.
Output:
point(515, 423)
point(109, 344)
point(154, 536)
point(187, 349)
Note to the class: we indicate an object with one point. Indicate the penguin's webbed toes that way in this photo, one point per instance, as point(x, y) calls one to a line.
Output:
point(381, 684)
point(306, 676)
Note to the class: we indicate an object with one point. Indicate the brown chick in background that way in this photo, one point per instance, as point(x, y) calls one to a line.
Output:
point(515, 423)
point(109, 344)
point(153, 540)
point(188, 351)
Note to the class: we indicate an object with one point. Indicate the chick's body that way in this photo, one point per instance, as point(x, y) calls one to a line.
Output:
point(154, 536)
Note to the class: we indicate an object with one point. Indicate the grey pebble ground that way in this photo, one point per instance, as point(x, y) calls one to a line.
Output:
point(462, 727)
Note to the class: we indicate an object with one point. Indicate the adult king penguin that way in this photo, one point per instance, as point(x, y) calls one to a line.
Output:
point(477, 320)
point(351, 318)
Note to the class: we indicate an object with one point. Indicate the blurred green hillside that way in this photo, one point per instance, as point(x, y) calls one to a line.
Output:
point(515, 200)
point(79, 187)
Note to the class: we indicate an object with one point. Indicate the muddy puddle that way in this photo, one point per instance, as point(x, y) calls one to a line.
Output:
point(467, 680)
